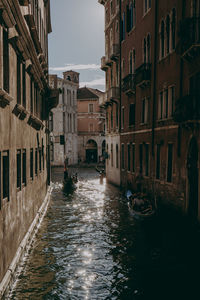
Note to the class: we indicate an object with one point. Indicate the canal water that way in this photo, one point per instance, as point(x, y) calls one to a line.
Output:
point(90, 247)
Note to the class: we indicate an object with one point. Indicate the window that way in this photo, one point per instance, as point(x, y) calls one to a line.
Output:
point(31, 163)
point(166, 104)
point(123, 27)
point(130, 62)
point(160, 107)
point(5, 157)
point(24, 84)
point(129, 157)
point(169, 162)
point(31, 95)
point(132, 114)
point(145, 106)
point(123, 163)
point(147, 5)
point(62, 139)
point(18, 80)
point(117, 116)
point(91, 108)
point(133, 157)
point(158, 161)
point(19, 172)
point(117, 157)
point(141, 158)
point(167, 34)
point(40, 159)
point(145, 51)
point(5, 60)
point(171, 100)
point(134, 61)
point(51, 121)
point(36, 162)
point(162, 39)
point(24, 167)
point(112, 155)
point(122, 117)
point(148, 48)
point(146, 160)
point(173, 26)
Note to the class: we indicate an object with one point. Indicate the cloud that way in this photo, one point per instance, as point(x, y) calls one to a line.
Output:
point(93, 83)
point(75, 67)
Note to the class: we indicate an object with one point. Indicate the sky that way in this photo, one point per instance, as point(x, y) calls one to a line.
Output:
point(77, 40)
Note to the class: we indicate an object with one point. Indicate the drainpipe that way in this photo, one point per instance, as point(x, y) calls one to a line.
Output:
point(155, 76)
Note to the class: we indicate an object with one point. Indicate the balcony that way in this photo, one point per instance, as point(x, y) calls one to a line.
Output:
point(114, 52)
point(5, 98)
point(113, 94)
point(190, 38)
point(128, 84)
point(187, 109)
point(104, 66)
point(143, 75)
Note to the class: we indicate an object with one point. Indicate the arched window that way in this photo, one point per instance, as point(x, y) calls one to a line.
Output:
point(162, 39)
point(145, 51)
point(167, 34)
point(173, 28)
point(148, 48)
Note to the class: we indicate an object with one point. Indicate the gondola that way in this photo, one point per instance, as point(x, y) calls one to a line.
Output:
point(146, 212)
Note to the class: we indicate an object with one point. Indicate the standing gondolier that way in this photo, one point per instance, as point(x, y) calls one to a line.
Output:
point(66, 168)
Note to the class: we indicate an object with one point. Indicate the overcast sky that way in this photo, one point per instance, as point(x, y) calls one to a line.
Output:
point(77, 40)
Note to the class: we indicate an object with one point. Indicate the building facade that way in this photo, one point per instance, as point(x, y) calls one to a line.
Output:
point(159, 91)
point(25, 101)
point(63, 120)
point(91, 126)
point(110, 63)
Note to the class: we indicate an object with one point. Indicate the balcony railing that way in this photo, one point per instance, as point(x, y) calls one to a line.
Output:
point(187, 109)
point(114, 52)
point(128, 84)
point(143, 75)
point(190, 38)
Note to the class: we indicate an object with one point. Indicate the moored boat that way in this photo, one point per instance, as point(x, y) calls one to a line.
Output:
point(140, 207)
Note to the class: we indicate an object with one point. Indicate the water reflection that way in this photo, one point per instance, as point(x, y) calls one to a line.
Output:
point(89, 247)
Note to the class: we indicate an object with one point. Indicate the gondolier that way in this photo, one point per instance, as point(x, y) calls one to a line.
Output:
point(66, 168)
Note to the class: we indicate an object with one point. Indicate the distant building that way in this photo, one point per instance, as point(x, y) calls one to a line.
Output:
point(91, 125)
point(63, 120)
point(25, 102)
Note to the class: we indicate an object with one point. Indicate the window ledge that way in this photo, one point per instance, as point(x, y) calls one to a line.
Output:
point(35, 122)
point(5, 98)
point(20, 111)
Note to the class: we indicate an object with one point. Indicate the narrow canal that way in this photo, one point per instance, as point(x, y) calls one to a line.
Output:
point(89, 247)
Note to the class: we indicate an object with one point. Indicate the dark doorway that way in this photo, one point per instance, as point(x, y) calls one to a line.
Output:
point(192, 166)
point(91, 151)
